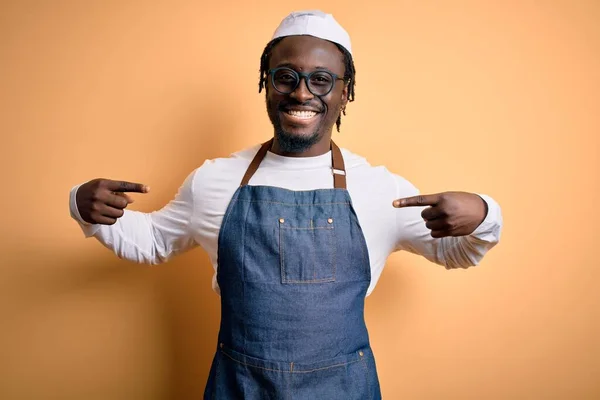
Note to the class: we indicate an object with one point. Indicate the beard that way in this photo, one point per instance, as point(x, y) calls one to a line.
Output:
point(289, 142)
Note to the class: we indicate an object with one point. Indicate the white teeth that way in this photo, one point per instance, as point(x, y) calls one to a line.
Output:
point(302, 114)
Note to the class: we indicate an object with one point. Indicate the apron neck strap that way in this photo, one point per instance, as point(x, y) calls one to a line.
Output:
point(338, 167)
point(337, 162)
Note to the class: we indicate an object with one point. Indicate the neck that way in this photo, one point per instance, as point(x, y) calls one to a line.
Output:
point(321, 147)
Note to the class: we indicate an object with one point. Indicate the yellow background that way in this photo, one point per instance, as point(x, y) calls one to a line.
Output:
point(495, 97)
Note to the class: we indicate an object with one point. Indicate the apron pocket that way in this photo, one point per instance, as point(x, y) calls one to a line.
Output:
point(246, 378)
point(346, 377)
point(307, 254)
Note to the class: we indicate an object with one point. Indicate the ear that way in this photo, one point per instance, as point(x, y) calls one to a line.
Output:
point(345, 94)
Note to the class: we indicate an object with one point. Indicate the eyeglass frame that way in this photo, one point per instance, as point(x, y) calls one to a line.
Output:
point(306, 76)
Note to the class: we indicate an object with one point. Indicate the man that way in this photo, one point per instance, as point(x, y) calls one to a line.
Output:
point(298, 230)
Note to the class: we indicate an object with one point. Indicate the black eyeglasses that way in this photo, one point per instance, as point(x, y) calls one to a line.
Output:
point(285, 80)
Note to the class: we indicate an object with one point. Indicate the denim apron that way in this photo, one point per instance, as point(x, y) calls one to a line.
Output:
point(293, 270)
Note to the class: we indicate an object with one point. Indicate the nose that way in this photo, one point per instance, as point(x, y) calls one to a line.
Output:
point(301, 93)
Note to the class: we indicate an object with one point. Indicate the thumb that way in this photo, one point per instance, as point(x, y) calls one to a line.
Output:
point(125, 196)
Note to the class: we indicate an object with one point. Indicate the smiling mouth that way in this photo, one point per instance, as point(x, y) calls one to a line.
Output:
point(301, 114)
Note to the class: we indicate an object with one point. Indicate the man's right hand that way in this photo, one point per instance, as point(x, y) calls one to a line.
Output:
point(102, 201)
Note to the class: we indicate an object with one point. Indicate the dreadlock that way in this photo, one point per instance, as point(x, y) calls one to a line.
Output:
point(349, 72)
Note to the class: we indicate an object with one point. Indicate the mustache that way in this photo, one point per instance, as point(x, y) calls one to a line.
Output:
point(314, 105)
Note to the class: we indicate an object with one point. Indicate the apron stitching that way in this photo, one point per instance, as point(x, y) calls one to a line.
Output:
point(244, 244)
point(224, 224)
point(294, 372)
point(217, 375)
point(363, 246)
point(332, 242)
point(364, 362)
point(282, 257)
point(294, 204)
point(308, 229)
point(312, 250)
point(320, 280)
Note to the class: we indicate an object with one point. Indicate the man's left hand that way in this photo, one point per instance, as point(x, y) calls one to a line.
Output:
point(449, 213)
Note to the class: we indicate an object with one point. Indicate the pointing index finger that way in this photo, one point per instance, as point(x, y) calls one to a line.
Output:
point(124, 186)
point(418, 201)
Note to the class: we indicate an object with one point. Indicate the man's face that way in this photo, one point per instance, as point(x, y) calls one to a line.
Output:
point(300, 118)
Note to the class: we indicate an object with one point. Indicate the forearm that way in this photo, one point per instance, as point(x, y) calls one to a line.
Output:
point(458, 252)
point(131, 238)
point(149, 238)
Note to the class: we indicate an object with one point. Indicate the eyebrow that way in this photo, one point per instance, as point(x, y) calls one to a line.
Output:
point(293, 66)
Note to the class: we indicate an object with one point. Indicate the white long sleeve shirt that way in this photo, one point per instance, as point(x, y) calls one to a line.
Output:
point(193, 218)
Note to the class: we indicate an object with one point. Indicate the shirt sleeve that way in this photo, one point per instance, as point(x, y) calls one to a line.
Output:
point(149, 238)
point(451, 252)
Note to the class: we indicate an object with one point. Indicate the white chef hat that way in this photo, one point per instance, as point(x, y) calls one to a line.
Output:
point(314, 23)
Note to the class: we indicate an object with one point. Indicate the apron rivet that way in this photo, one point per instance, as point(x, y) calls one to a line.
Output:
point(330, 220)
point(281, 220)
point(221, 345)
point(360, 353)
